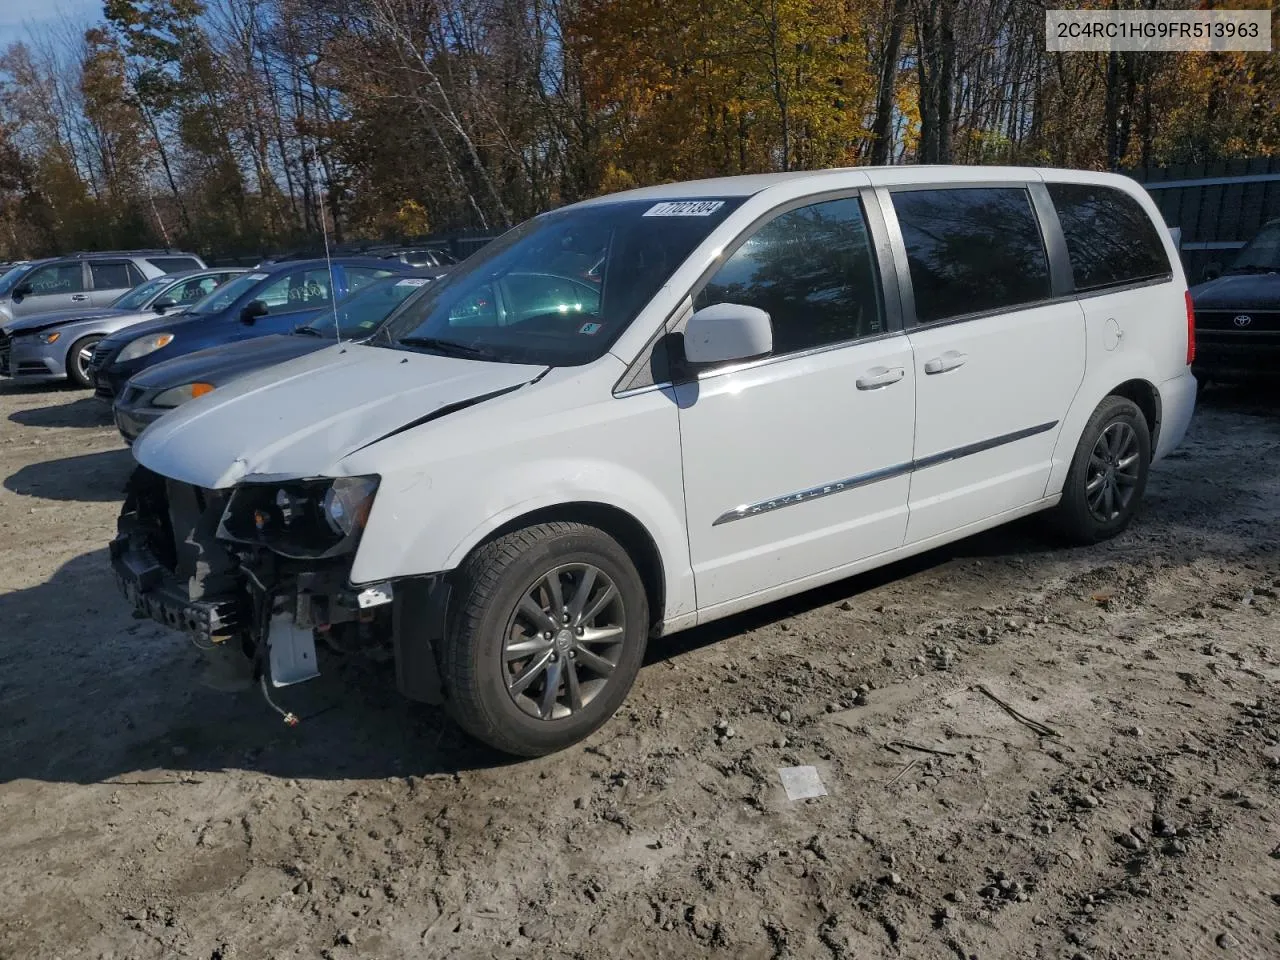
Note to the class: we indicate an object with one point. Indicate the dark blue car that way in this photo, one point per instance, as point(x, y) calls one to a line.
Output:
point(274, 298)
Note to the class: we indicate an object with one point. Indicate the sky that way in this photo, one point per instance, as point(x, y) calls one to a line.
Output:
point(19, 17)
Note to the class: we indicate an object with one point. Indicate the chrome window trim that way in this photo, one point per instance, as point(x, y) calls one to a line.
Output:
point(875, 476)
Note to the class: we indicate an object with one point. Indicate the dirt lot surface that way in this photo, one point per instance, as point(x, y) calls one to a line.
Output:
point(1135, 812)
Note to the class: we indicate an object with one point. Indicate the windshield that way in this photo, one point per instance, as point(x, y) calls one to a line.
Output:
point(560, 288)
point(1262, 253)
point(360, 314)
point(227, 294)
point(137, 298)
point(11, 278)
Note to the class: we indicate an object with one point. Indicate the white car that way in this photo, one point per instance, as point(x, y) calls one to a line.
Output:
point(652, 409)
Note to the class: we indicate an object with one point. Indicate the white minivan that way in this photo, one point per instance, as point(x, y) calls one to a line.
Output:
point(642, 412)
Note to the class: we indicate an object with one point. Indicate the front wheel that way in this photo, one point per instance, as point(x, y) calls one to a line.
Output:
point(78, 358)
point(545, 639)
point(1108, 473)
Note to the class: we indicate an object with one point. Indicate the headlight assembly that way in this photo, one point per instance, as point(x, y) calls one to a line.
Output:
point(144, 345)
point(300, 518)
point(176, 396)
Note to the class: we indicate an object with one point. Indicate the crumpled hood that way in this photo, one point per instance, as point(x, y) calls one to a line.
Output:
point(1239, 291)
point(228, 361)
point(54, 318)
point(299, 419)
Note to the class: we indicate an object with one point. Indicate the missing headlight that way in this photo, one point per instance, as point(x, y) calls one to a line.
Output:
point(300, 518)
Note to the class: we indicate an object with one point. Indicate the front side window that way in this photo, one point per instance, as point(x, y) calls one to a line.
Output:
point(1110, 239)
point(296, 290)
point(56, 278)
point(558, 289)
point(813, 271)
point(227, 294)
point(189, 291)
point(137, 298)
point(971, 249)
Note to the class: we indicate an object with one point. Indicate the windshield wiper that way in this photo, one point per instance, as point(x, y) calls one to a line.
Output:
point(308, 331)
point(1252, 268)
point(447, 347)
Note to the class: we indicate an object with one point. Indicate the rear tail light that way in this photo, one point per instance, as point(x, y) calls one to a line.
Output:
point(1191, 329)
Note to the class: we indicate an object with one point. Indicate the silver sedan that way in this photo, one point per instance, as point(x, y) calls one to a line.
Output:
point(58, 345)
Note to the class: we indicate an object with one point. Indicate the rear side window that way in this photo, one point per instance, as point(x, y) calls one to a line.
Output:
point(114, 275)
point(972, 249)
point(174, 264)
point(1110, 238)
point(812, 270)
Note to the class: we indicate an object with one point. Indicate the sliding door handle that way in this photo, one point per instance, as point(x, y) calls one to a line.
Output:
point(878, 377)
point(948, 361)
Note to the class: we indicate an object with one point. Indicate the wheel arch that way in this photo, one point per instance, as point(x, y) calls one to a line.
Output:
point(631, 534)
point(1146, 396)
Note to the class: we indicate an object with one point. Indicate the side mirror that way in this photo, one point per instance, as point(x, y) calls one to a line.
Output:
point(1211, 271)
point(724, 332)
point(252, 311)
point(21, 290)
point(168, 303)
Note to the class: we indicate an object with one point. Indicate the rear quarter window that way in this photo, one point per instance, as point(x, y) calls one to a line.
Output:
point(1110, 239)
point(174, 264)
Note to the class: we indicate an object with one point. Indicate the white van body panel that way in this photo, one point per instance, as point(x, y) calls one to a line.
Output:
point(675, 459)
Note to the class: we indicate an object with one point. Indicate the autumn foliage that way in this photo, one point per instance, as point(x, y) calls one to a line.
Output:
point(240, 126)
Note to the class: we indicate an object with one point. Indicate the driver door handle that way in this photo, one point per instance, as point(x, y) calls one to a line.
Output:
point(948, 361)
point(79, 296)
point(878, 377)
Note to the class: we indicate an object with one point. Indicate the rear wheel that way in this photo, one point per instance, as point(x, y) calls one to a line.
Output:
point(546, 637)
point(78, 358)
point(1108, 473)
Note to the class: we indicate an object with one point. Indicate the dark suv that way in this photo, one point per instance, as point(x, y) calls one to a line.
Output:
point(1238, 314)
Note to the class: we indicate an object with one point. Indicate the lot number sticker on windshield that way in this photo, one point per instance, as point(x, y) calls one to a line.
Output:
point(259, 276)
point(411, 282)
point(684, 208)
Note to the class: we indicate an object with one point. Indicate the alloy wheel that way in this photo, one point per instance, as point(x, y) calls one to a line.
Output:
point(83, 356)
point(563, 641)
point(1113, 472)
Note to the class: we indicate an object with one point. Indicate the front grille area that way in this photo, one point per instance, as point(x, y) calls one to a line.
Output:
point(6, 348)
point(101, 350)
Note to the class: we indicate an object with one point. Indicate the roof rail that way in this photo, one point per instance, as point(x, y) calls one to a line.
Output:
point(154, 252)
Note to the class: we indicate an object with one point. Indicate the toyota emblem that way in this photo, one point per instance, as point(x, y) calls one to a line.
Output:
point(1243, 320)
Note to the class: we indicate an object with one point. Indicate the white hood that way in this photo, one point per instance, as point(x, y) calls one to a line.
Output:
point(298, 419)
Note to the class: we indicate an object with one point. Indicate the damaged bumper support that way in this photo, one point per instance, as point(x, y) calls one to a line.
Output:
point(253, 613)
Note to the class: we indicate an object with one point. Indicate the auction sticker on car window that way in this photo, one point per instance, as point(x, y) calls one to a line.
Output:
point(412, 282)
point(259, 276)
point(590, 329)
point(684, 208)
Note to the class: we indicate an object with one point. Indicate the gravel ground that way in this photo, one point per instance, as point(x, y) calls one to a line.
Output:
point(1126, 805)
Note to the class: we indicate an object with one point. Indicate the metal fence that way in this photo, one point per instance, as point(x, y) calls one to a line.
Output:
point(1218, 207)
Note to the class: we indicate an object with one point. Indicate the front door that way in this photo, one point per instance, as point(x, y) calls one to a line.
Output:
point(998, 358)
point(799, 464)
point(55, 286)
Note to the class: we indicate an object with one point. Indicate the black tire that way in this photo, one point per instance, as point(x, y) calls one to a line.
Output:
point(1076, 518)
point(476, 667)
point(76, 372)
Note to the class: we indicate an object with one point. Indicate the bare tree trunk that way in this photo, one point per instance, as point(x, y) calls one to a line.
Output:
point(887, 86)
